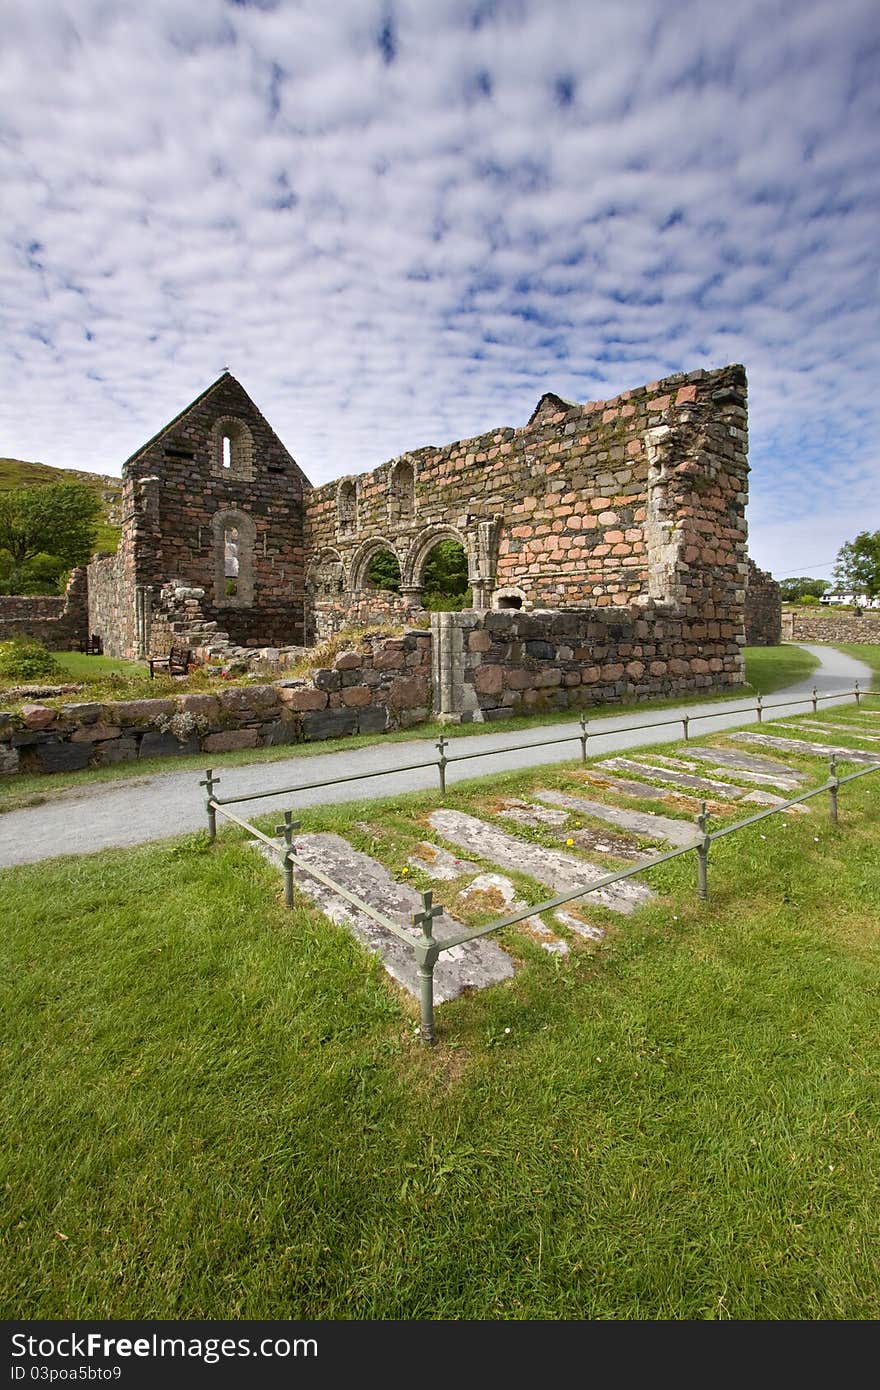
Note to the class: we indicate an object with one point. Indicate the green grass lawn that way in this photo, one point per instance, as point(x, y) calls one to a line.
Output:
point(31, 789)
point(216, 1108)
point(81, 667)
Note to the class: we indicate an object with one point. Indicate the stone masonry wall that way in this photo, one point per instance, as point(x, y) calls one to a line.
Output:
point(61, 623)
point(496, 664)
point(763, 609)
point(380, 683)
point(182, 494)
point(810, 625)
point(635, 500)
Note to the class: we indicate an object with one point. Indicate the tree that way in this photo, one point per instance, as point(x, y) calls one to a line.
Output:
point(793, 590)
point(383, 571)
point(57, 521)
point(858, 565)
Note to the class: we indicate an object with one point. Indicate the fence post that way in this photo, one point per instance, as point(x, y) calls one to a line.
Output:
point(210, 783)
point(857, 692)
point(685, 722)
point(815, 700)
point(442, 761)
point(760, 709)
point(832, 790)
point(703, 855)
point(426, 953)
point(287, 830)
point(583, 738)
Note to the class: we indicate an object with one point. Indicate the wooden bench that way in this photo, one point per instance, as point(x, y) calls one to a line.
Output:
point(176, 662)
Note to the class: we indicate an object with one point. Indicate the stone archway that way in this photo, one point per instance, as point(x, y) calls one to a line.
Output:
point(413, 569)
point(360, 564)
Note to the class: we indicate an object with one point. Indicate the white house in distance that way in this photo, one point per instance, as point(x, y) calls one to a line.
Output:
point(847, 596)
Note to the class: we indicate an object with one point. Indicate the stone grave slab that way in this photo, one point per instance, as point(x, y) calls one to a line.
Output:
point(761, 798)
point(818, 726)
point(601, 841)
point(557, 870)
point(497, 889)
point(686, 780)
point(576, 924)
point(472, 966)
point(439, 863)
point(802, 746)
point(739, 761)
point(627, 787)
point(646, 823)
point(527, 813)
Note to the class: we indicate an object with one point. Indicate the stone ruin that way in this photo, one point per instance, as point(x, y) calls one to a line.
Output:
point(627, 514)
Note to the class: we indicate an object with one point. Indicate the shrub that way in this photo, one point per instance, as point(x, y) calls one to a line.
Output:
point(808, 599)
point(24, 658)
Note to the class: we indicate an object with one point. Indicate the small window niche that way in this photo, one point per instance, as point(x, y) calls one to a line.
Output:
point(402, 493)
point(232, 450)
point(346, 507)
point(235, 537)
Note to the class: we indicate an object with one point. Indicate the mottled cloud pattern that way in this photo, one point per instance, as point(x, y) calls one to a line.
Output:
point(399, 221)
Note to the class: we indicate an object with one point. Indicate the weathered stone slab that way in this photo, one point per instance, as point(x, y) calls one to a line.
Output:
point(440, 863)
point(525, 813)
point(768, 799)
point(673, 832)
point(8, 760)
point(627, 787)
point(686, 780)
point(802, 746)
point(818, 726)
point(762, 778)
point(64, 757)
point(330, 723)
point(474, 965)
point(497, 893)
point(559, 871)
point(538, 817)
point(168, 746)
point(37, 716)
point(738, 760)
point(576, 924)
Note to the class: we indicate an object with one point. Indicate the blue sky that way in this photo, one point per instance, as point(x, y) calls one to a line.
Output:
point(398, 222)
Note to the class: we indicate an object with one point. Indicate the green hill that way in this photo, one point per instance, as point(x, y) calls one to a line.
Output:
point(16, 473)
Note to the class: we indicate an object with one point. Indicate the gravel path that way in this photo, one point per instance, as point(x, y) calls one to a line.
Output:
point(135, 810)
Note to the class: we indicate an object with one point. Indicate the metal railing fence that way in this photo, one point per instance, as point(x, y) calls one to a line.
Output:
point(421, 940)
point(443, 760)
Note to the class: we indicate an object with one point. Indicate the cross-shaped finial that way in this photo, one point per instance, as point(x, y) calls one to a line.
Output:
point(287, 830)
point(429, 911)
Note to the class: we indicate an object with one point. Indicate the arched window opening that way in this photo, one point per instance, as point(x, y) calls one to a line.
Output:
point(402, 492)
point(234, 544)
point(510, 601)
point(230, 560)
point(347, 506)
point(232, 449)
point(445, 578)
point(383, 572)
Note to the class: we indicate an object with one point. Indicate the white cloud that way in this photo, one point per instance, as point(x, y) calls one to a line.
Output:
point(528, 197)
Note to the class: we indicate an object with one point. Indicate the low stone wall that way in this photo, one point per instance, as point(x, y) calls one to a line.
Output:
point(824, 625)
point(763, 608)
point(61, 623)
point(490, 665)
point(380, 683)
